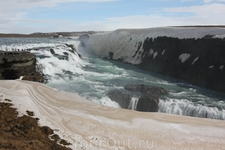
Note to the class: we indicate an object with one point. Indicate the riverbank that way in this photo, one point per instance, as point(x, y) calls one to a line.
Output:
point(88, 125)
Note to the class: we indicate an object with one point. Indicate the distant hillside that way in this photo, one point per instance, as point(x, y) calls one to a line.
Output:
point(51, 34)
point(208, 26)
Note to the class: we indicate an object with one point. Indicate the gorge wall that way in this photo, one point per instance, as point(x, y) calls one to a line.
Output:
point(193, 54)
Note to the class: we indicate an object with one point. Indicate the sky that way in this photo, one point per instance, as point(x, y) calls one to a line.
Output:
point(29, 16)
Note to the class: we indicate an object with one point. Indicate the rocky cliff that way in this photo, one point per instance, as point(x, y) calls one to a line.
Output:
point(195, 55)
point(14, 64)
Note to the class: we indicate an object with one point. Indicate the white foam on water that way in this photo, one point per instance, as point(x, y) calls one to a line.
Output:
point(163, 82)
point(106, 101)
point(25, 46)
point(188, 108)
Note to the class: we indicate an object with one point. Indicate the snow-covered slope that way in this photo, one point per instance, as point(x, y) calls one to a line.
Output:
point(88, 125)
point(124, 42)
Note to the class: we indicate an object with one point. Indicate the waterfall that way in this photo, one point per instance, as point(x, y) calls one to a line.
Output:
point(188, 108)
point(133, 103)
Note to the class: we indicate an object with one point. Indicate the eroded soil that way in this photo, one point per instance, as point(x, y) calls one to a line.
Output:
point(24, 133)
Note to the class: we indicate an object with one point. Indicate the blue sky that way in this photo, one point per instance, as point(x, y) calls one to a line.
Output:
point(28, 16)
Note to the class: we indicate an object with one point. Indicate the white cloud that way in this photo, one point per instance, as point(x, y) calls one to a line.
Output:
point(204, 10)
point(183, 1)
point(208, 14)
point(12, 12)
point(213, 1)
point(12, 19)
point(208, 1)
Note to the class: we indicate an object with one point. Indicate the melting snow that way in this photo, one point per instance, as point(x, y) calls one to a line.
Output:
point(151, 52)
point(87, 125)
point(221, 67)
point(155, 54)
point(183, 57)
point(195, 60)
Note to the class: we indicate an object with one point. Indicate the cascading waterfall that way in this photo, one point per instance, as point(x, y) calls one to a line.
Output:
point(187, 108)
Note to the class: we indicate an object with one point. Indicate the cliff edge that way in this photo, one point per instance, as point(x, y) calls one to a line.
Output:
point(15, 64)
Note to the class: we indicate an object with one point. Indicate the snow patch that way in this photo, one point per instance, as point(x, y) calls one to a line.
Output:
point(155, 54)
point(195, 60)
point(221, 67)
point(219, 36)
point(183, 57)
point(150, 52)
point(210, 67)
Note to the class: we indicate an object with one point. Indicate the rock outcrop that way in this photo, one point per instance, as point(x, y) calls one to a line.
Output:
point(73, 49)
point(146, 89)
point(121, 98)
point(148, 97)
point(148, 103)
point(13, 65)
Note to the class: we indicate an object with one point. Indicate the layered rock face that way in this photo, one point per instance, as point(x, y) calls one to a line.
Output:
point(199, 62)
point(16, 64)
point(195, 55)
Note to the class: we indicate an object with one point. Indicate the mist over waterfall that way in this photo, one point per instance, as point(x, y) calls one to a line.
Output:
point(68, 66)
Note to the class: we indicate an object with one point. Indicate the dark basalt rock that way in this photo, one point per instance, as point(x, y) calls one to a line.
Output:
point(52, 51)
point(61, 57)
point(146, 89)
point(15, 64)
point(148, 101)
point(121, 98)
point(204, 66)
point(73, 49)
point(111, 55)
